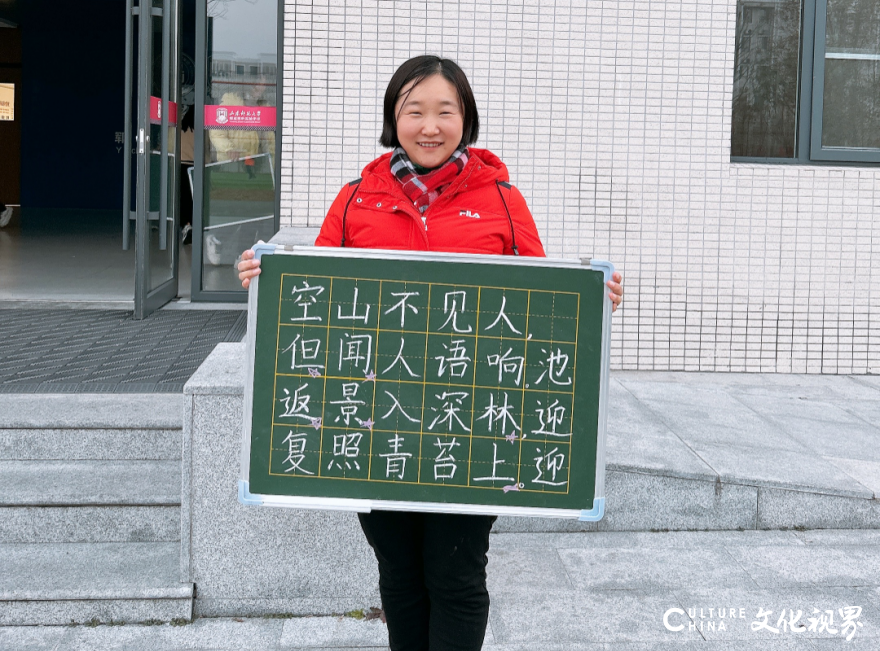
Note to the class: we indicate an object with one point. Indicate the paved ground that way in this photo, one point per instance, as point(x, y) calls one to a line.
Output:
point(107, 351)
point(592, 591)
point(773, 435)
point(815, 433)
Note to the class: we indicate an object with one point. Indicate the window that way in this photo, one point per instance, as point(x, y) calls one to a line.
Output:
point(255, 70)
point(806, 82)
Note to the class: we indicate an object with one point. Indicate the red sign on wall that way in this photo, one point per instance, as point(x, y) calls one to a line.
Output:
point(156, 111)
point(239, 117)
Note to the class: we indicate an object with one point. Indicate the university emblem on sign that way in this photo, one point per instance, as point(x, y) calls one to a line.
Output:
point(222, 116)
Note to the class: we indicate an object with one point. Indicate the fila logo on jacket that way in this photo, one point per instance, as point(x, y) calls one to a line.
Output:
point(468, 213)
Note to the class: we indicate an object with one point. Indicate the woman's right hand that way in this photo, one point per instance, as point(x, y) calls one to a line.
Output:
point(248, 268)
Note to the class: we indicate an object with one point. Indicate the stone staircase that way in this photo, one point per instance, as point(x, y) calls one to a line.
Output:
point(90, 508)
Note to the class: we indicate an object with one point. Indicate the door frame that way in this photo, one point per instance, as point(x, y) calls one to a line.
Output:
point(202, 72)
point(147, 300)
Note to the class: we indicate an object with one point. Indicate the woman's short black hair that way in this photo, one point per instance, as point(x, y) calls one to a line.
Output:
point(417, 70)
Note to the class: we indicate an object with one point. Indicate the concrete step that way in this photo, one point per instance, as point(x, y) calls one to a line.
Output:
point(91, 426)
point(89, 501)
point(60, 583)
point(82, 443)
point(92, 411)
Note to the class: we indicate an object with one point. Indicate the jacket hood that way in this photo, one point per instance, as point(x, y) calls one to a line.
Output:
point(483, 167)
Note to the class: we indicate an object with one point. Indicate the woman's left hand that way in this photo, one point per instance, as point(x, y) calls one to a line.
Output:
point(616, 287)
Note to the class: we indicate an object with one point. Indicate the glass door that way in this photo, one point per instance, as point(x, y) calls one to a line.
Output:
point(236, 141)
point(152, 167)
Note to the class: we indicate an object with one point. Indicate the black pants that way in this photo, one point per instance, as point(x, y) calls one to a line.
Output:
point(432, 578)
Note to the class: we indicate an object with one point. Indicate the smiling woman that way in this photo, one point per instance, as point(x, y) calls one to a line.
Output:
point(433, 192)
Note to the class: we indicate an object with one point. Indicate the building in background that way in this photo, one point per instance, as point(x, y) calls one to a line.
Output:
point(679, 140)
point(724, 155)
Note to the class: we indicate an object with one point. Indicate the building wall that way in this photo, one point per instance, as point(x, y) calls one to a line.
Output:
point(614, 120)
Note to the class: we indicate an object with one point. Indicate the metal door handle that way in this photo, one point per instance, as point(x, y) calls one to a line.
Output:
point(141, 138)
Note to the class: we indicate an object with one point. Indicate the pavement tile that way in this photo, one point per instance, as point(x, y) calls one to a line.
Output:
point(782, 644)
point(782, 408)
point(866, 410)
point(856, 644)
point(638, 438)
point(643, 539)
point(603, 646)
point(779, 469)
point(530, 569)
point(822, 427)
point(336, 648)
point(839, 537)
point(791, 600)
point(653, 570)
point(30, 638)
point(200, 635)
point(582, 617)
point(839, 388)
point(305, 632)
point(811, 565)
point(867, 473)
point(719, 418)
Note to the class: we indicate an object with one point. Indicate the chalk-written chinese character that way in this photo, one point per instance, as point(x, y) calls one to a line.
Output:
point(399, 408)
point(452, 403)
point(354, 316)
point(402, 361)
point(453, 306)
point(548, 466)
point(296, 447)
point(552, 417)
point(305, 297)
point(444, 462)
point(455, 361)
point(495, 463)
point(395, 461)
point(357, 349)
point(502, 316)
point(507, 363)
point(304, 353)
point(349, 405)
point(402, 305)
point(296, 405)
point(555, 365)
point(346, 448)
point(499, 413)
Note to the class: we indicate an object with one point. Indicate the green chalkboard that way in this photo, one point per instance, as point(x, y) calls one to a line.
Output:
point(426, 382)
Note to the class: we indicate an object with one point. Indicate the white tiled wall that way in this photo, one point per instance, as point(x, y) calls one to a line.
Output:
point(614, 119)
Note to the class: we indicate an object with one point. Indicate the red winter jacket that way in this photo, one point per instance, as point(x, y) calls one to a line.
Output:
point(468, 217)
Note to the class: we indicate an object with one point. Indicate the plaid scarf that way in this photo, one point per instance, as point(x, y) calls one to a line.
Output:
point(423, 189)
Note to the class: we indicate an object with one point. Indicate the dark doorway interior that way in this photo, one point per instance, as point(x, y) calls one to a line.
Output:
point(72, 112)
point(64, 242)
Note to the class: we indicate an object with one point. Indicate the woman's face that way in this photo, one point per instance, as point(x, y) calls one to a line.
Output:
point(430, 121)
